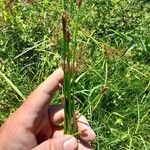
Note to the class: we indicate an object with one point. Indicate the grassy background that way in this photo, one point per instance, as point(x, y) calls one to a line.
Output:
point(113, 83)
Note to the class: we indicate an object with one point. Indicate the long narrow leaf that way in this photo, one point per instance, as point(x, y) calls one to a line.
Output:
point(12, 85)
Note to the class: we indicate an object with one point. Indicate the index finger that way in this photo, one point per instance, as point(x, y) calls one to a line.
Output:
point(42, 95)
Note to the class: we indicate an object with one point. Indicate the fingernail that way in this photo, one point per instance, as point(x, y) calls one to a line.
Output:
point(70, 144)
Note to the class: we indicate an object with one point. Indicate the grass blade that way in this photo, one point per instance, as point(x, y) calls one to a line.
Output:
point(12, 85)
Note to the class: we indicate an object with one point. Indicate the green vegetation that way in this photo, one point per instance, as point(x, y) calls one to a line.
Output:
point(112, 84)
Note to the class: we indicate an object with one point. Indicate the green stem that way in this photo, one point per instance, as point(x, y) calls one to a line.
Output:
point(69, 105)
point(65, 85)
point(69, 72)
point(64, 4)
point(74, 49)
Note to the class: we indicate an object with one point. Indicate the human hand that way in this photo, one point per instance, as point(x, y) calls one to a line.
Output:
point(35, 124)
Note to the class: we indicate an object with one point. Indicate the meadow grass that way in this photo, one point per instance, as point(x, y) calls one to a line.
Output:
point(112, 84)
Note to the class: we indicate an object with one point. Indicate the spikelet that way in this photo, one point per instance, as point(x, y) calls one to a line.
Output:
point(79, 3)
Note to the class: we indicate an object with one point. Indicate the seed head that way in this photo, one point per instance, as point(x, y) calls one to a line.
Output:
point(79, 3)
point(64, 21)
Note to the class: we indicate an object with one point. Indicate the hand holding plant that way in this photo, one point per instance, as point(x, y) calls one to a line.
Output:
point(35, 125)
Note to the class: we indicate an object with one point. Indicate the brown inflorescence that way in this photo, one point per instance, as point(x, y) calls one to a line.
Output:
point(64, 21)
point(103, 89)
point(79, 3)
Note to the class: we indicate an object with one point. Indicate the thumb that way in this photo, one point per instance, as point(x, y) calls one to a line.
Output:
point(65, 142)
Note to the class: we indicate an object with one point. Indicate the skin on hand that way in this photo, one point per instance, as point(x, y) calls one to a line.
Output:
point(35, 124)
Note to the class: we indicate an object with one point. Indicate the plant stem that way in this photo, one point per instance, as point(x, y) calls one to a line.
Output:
point(64, 4)
point(69, 103)
point(69, 71)
point(75, 47)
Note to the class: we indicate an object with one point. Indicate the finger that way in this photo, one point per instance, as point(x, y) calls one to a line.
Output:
point(56, 114)
point(65, 142)
point(84, 129)
point(41, 96)
point(82, 145)
point(58, 131)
